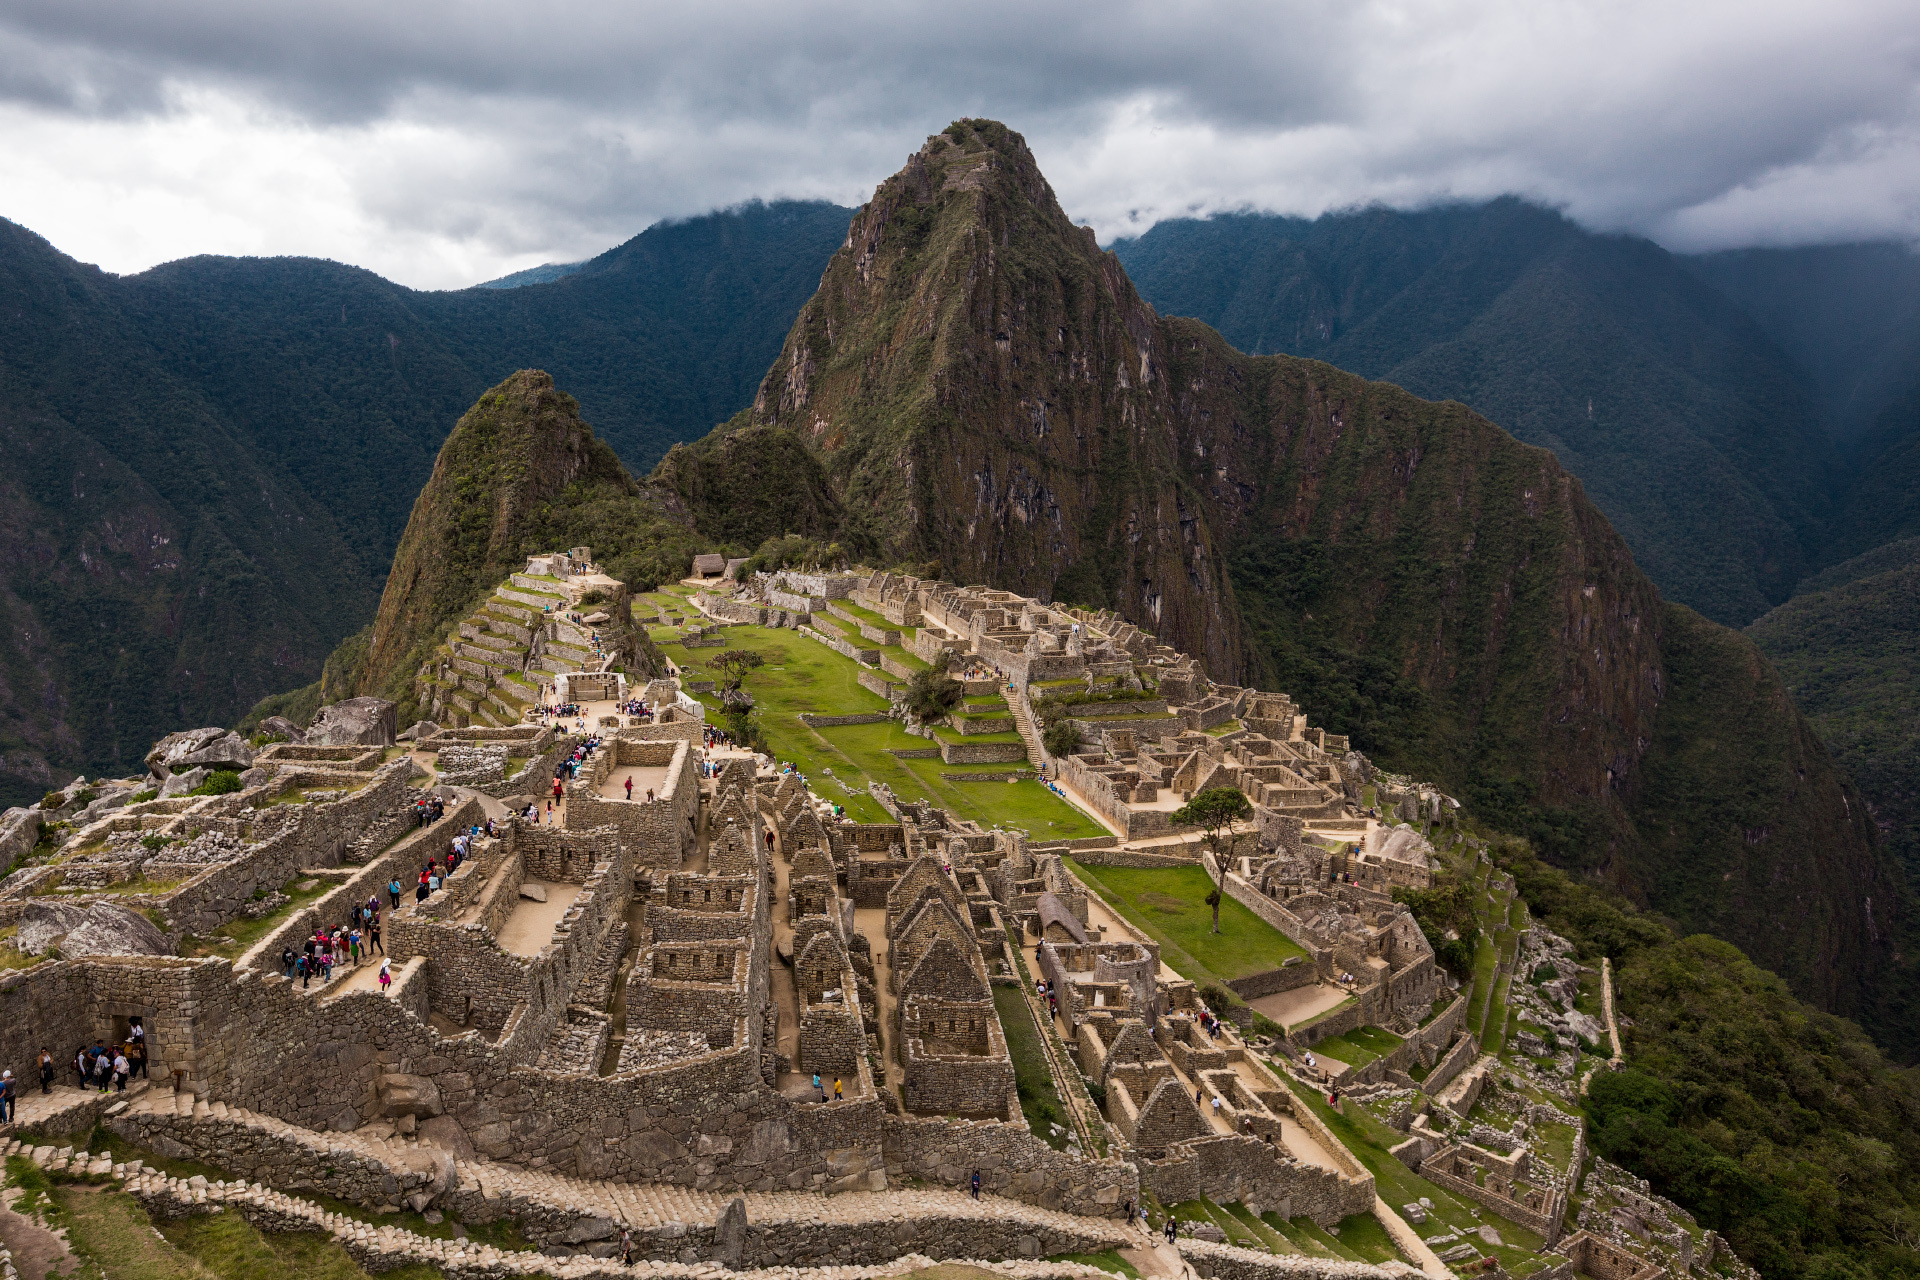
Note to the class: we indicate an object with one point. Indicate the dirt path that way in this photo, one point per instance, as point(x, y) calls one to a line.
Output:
point(530, 927)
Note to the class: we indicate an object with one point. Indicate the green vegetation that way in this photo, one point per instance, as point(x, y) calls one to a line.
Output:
point(1214, 811)
point(276, 458)
point(1033, 1078)
point(803, 675)
point(1169, 905)
point(1850, 651)
point(933, 695)
point(219, 783)
point(1360, 1046)
point(1694, 440)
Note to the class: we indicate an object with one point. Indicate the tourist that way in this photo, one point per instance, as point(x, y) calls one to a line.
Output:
point(9, 1096)
point(626, 1247)
point(1216, 1106)
point(102, 1067)
point(82, 1064)
point(974, 1184)
point(373, 935)
point(306, 970)
point(836, 1089)
point(353, 946)
point(326, 967)
point(629, 787)
point(393, 892)
point(420, 894)
point(46, 1069)
point(287, 960)
point(386, 977)
point(121, 1070)
point(818, 1087)
point(1173, 1229)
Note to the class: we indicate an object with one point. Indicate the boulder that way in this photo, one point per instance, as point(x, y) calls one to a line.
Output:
point(1206, 1231)
point(194, 748)
point(44, 923)
point(283, 728)
point(418, 731)
point(404, 1095)
point(181, 783)
point(19, 832)
point(113, 930)
point(103, 806)
point(356, 722)
point(534, 892)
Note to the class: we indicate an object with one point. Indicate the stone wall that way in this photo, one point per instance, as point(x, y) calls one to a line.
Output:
point(318, 837)
point(1235, 1167)
point(1288, 977)
point(659, 834)
point(1011, 1162)
point(1456, 1061)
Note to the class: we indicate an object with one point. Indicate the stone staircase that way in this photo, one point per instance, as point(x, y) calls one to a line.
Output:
point(1023, 723)
point(560, 1207)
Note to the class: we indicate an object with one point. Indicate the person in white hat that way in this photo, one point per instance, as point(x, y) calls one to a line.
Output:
point(9, 1095)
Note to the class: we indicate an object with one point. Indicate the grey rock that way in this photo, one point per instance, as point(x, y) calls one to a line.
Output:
point(44, 923)
point(180, 784)
point(19, 830)
point(1488, 1235)
point(1207, 1231)
point(1414, 1213)
point(730, 1234)
point(281, 727)
point(590, 1229)
point(212, 748)
point(113, 930)
point(433, 1217)
point(356, 722)
point(403, 1095)
point(534, 892)
point(444, 1131)
point(258, 776)
point(1459, 1253)
point(418, 731)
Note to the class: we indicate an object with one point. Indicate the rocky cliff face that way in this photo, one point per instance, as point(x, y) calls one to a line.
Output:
point(520, 474)
point(975, 383)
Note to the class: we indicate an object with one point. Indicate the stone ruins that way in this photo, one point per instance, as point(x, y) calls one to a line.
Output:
point(613, 1017)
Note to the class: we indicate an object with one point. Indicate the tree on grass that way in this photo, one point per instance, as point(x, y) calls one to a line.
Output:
point(744, 728)
point(733, 666)
point(1214, 811)
point(933, 694)
point(1061, 737)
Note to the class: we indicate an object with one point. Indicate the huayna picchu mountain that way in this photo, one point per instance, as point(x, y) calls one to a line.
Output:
point(976, 384)
point(519, 474)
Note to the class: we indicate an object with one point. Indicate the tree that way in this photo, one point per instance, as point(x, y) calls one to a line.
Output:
point(1214, 811)
point(933, 694)
point(1061, 737)
point(734, 664)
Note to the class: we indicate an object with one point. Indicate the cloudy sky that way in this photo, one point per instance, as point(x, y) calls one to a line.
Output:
point(441, 144)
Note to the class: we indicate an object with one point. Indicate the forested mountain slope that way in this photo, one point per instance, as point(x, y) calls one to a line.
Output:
point(213, 461)
point(1686, 424)
point(976, 384)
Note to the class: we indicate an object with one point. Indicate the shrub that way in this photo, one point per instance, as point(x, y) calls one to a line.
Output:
point(1060, 738)
point(219, 783)
point(931, 695)
point(53, 799)
point(596, 596)
point(140, 797)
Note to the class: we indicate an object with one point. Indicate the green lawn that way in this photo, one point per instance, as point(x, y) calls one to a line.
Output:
point(1169, 905)
point(1039, 1100)
point(1360, 1046)
point(804, 675)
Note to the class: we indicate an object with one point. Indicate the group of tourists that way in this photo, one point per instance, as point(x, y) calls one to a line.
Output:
point(1048, 994)
point(103, 1067)
point(428, 809)
point(343, 946)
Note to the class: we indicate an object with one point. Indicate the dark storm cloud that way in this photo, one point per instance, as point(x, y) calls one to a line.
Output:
point(462, 138)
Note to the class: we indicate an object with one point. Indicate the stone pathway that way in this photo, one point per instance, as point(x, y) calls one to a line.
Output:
point(640, 1207)
point(382, 1248)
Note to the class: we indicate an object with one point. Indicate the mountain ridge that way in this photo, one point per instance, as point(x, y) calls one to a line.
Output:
point(978, 385)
